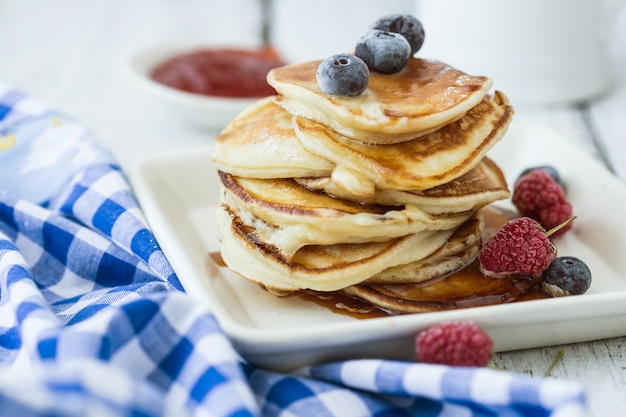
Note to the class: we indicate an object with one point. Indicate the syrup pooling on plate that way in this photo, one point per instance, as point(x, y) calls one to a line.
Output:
point(340, 303)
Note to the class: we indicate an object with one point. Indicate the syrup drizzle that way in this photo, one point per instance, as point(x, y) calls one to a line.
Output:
point(217, 259)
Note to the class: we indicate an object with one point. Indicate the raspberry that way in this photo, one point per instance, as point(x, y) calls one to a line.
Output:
point(520, 247)
point(455, 343)
point(538, 196)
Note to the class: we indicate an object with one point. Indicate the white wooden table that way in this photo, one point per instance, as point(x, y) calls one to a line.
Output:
point(70, 53)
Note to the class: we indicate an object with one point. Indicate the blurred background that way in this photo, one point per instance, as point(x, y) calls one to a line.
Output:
point(74, 54)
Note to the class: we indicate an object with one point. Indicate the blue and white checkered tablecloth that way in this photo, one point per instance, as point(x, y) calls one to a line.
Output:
point(94, 322)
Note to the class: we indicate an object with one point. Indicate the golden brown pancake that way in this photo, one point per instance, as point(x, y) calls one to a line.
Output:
point(423, 97)
point(460, 249)
point(482, 185)
point(261, 143)
point(420, 164)
point(288, 216)
point(320, 268)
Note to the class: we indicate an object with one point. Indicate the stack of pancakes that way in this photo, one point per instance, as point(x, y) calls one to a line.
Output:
point(331, 193)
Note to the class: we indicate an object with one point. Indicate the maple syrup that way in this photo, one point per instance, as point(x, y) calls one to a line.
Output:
point(216, 257)
point(340, 303)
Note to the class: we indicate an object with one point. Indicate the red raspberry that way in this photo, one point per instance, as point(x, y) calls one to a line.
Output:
point(520, 247)
point(456, 343)
point(538, 196)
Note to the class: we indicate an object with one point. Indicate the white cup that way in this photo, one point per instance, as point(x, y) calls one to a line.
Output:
point(536, 51)
point(304, 30)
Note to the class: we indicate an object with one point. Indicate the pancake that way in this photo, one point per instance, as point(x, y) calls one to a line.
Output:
point(482, 185)
point(423, 97)
point(320, 268)
point(281, 213)
point(460, 249)
point(260, 143)
point(420, 164)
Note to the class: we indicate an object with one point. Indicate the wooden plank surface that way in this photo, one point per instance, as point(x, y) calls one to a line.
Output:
point(600, 366)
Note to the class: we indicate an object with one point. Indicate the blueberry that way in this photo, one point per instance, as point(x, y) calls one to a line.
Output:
point(383, 52)
point(552, 171)
point(567, 275)
point(406, 25)
point(343, 74)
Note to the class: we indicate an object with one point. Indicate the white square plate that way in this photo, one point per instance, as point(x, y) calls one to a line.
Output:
point(179, 192)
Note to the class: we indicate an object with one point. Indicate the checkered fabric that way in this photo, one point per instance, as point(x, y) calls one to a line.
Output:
point(94, 322)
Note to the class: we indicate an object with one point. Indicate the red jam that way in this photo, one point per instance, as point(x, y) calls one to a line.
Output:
point(225, 72)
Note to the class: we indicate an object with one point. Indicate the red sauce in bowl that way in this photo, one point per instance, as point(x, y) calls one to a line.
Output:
point(224, 72)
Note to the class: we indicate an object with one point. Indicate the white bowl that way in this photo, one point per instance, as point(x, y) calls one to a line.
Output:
point(203, 110)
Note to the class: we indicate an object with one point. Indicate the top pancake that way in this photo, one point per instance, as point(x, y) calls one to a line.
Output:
point(421, 98)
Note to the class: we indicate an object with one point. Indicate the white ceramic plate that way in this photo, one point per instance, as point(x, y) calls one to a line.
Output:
point(178, 194)
point(201, 110)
